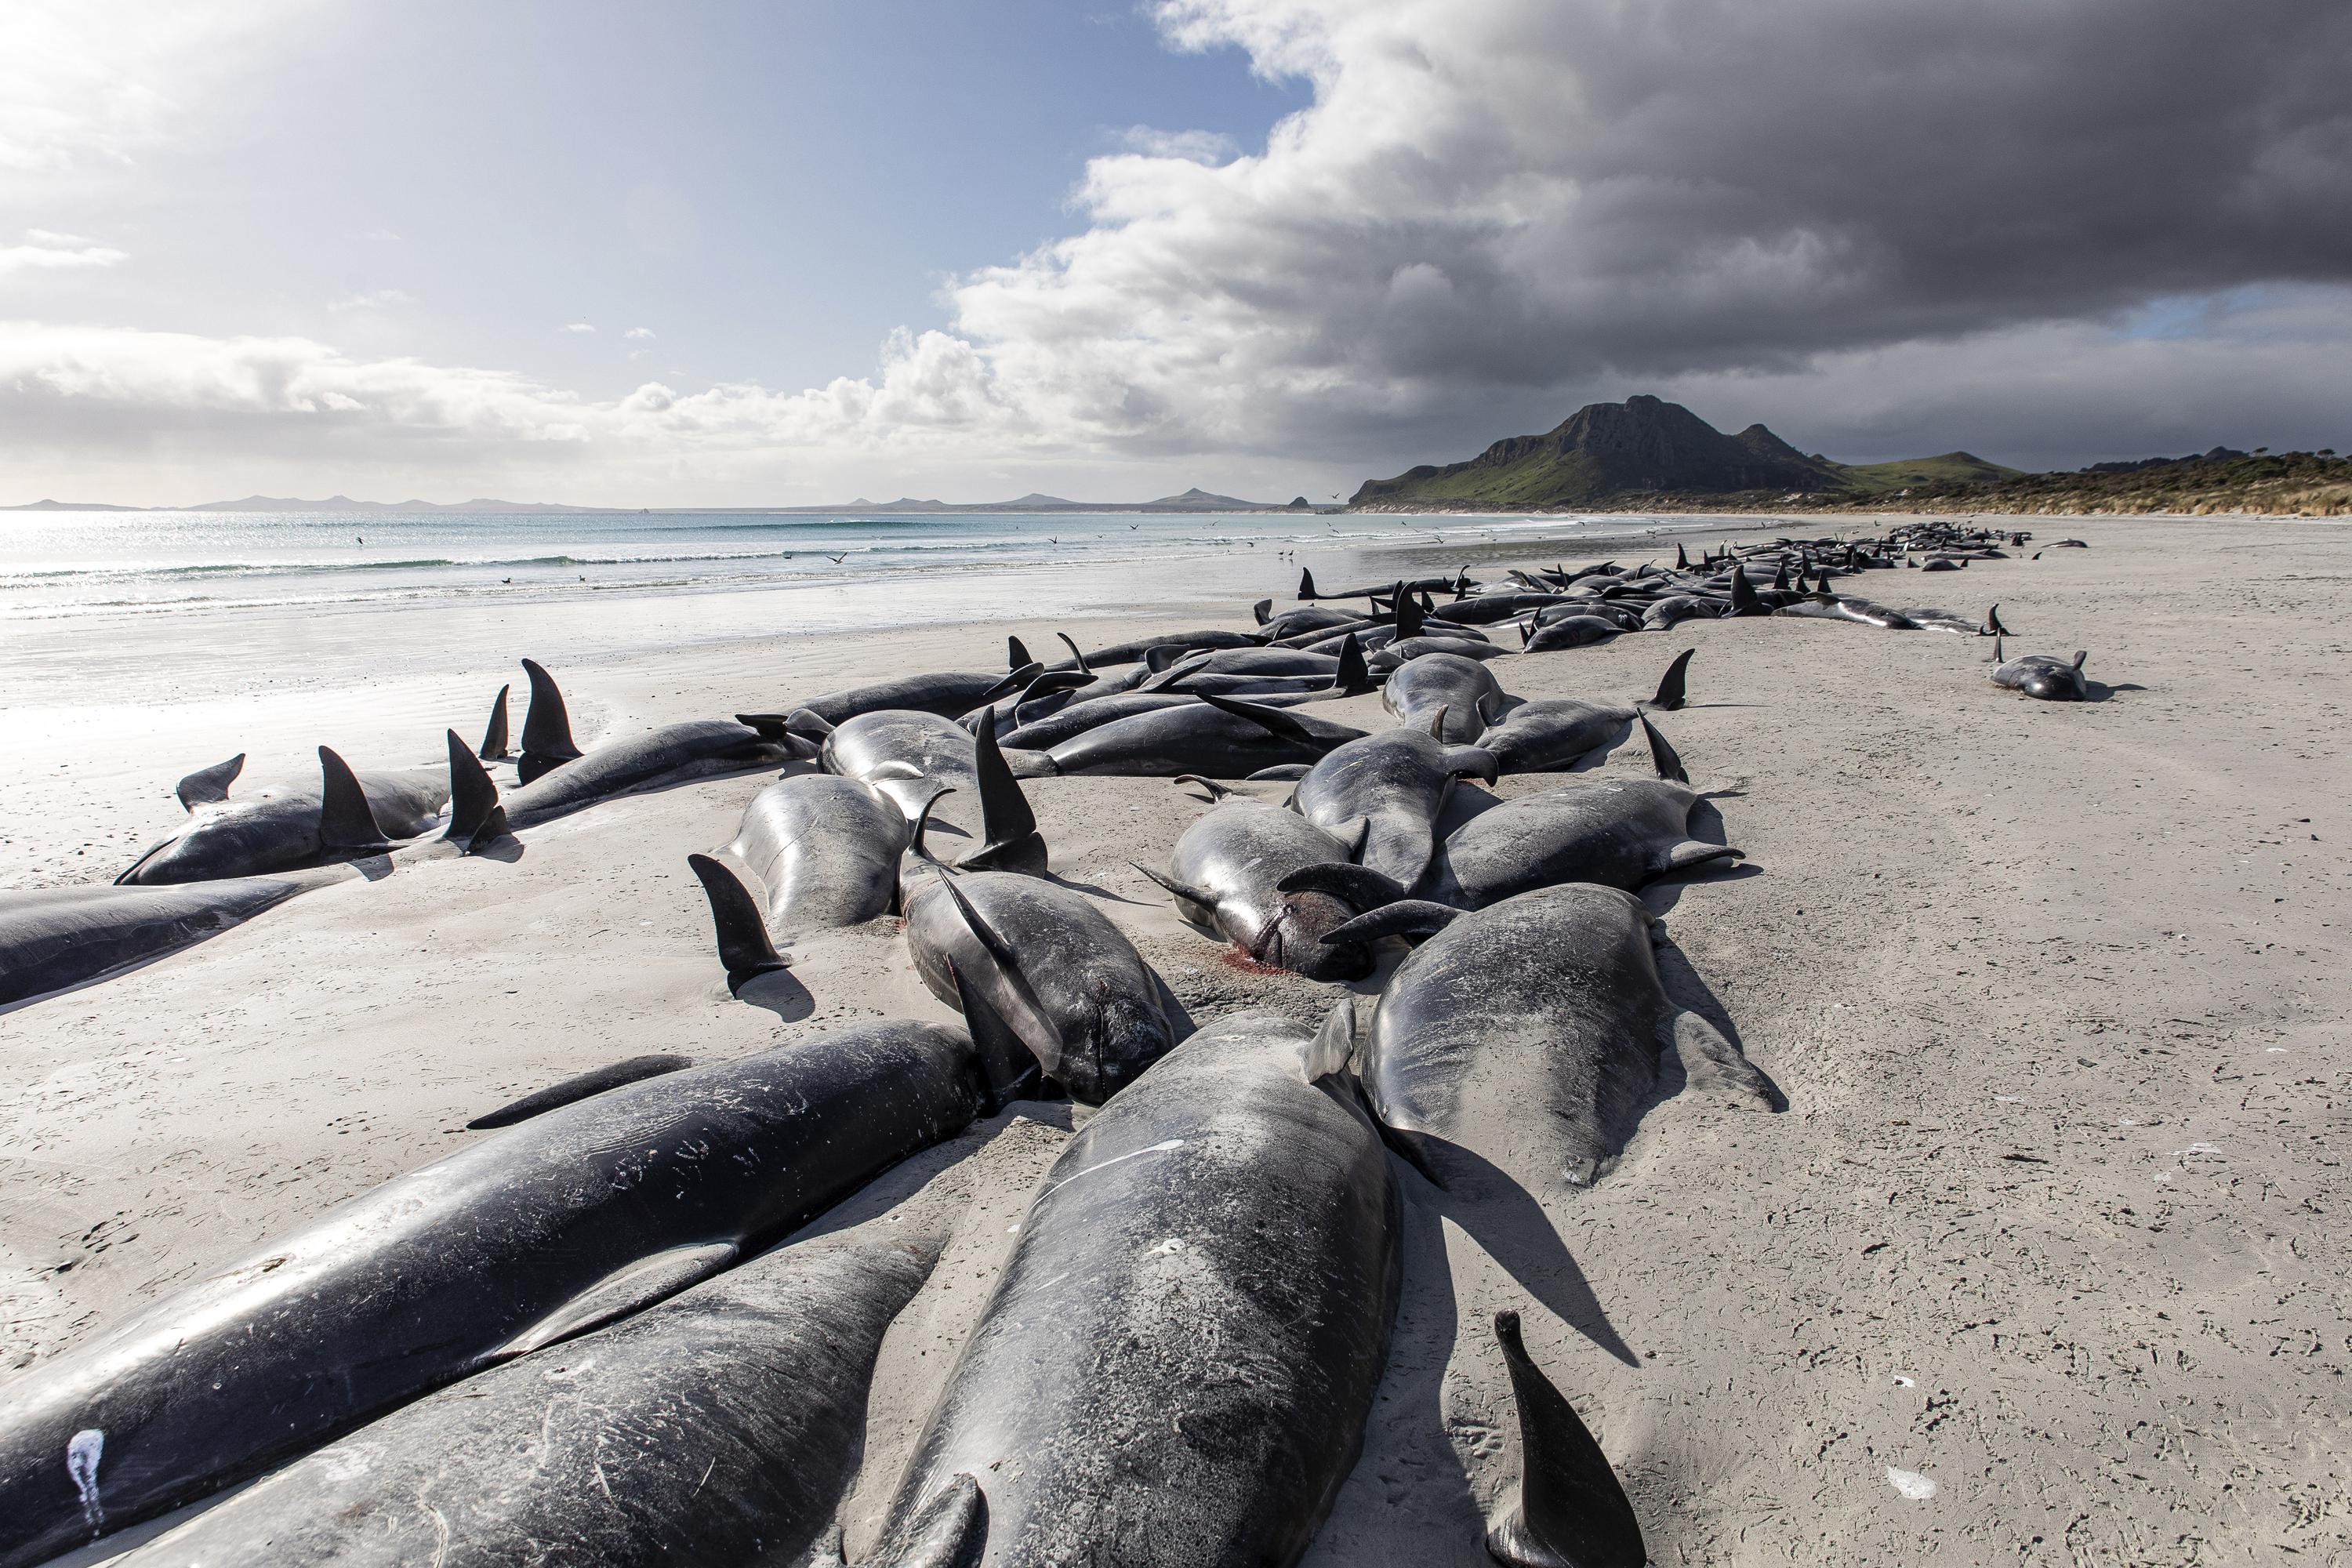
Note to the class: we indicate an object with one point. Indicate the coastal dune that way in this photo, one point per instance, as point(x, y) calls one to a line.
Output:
point(2037, 1264)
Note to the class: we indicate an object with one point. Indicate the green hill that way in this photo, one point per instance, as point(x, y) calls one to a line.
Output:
point(1913, 473)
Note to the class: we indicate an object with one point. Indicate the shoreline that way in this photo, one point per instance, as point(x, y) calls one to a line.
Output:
point(2048, 991)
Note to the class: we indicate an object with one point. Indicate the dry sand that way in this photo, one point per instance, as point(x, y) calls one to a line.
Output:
point(2041, 1263)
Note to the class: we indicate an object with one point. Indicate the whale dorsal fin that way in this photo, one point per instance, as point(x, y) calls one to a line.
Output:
point(2080, 654)
point(744, 945)
point(345, 821)
point(1572, 1508)
point(209, 786)
point(1262, 610)
point(1306, 585)
point(1352, 677)
point(1671, 693)
point(1016, 681)
point(494, 735)
point(1662, 757)
point(634, 1286)
point(547, 742)
point(1016, 653)
point(577, 1087)
point(476, 817)
point(1084, 668)
point(923, 818)
point(1008, 828)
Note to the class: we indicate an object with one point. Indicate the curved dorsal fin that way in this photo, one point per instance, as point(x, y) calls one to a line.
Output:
point(1352, 679)
point(1016, 653)
point(1084, 668)
point(744, 945)
point(577, 1087)
point(345, 819)
point(547, 741)
point(1008, 828)
point(1670, 694)
point(476, 817)
point(1662, 758)
point(494, 735)
point(923, 821)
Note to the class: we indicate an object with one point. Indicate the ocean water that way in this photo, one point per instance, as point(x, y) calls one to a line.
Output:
point(87, 599)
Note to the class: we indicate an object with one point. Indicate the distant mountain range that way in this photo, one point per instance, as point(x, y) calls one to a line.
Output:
point(1646, 447)
point(1195, 499)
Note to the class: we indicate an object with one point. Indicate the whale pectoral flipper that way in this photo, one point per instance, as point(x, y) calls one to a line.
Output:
point(1714, 1066)
point(1408, 916)
point(950, 1530)
point(1359, 885)
point(345, 820)
point(577, 1087)
point(1571, 1512)
point(1184, 892)
point(628, 1289)
point(1693, 852)
point(1009, 1069)
point(209, 786)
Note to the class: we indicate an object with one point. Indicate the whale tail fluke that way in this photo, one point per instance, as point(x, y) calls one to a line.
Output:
point(546, 726)
point(345, 819)
point(1672, 693)
point(1571, 1509)
point(476, 817)
point(1008, 828)
point(209, 786)
point(495, 745)
point(744, 945)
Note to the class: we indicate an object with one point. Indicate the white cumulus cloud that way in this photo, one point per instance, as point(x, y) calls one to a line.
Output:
point(641, 334)
point(580, 327)
point(44, 250)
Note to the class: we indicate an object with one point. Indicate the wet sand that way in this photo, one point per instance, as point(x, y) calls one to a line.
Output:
point(2039, 1264)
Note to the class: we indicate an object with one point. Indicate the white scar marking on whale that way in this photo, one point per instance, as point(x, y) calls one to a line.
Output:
point(1161, 1148)
point(81, 1463)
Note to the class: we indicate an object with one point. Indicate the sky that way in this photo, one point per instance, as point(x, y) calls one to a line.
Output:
point(791, 251)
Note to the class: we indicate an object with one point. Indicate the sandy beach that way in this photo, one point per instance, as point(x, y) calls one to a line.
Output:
point(2041, 1264)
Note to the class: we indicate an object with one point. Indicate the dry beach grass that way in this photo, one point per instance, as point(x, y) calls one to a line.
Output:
point(2041, 1264)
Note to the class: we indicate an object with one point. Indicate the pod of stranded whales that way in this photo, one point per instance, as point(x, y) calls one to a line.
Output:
point(1218, 1245)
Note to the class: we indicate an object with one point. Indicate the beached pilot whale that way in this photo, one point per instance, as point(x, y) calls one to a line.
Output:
point(1520, 1043)
point(1181, 1354)
point(1598, 827)
point(1225, 874)
point(1062, 978)
point(2041, 675)
point(1397, 781)
point(825, 848)
point(558, 778)
point(54, 937)
point(719, 1427)
point(567, 1221)
point(911, 757)
point(287, 827)
point(1543, 736)
point(1217, 736)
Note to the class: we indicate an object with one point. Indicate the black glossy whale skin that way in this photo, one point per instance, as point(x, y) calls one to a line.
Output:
point(1519, 1043)
point(1224, 872)
point(719, 1427)
point(1619, 832)
point(675, 751)
point(549, 1226)
point(54, 937)
point(1177, 1363)
point(276, 829)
